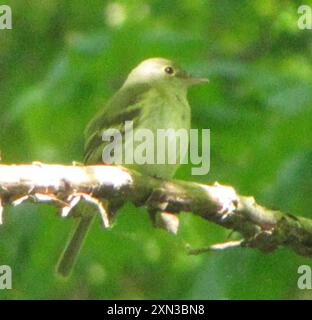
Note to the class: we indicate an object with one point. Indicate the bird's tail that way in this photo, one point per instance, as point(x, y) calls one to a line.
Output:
point(69, 256)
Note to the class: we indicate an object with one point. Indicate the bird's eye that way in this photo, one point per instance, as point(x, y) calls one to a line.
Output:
point(169, 70)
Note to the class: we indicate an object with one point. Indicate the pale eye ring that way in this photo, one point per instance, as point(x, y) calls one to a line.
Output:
point(169, 70)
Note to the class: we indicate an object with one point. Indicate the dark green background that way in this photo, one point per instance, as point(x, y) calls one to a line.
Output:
point(60, 63)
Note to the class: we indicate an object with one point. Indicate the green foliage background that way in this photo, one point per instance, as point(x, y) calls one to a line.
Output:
point(60, 63)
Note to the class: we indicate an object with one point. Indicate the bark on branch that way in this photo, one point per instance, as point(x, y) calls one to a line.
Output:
point(64, 186)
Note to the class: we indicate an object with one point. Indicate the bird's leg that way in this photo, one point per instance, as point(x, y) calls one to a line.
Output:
point(165, 220)
point(168, 221)
point(159, 215)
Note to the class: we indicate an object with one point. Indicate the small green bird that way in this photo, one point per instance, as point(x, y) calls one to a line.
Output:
point(154, 96)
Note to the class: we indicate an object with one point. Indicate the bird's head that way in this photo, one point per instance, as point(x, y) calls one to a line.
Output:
point(160, 71)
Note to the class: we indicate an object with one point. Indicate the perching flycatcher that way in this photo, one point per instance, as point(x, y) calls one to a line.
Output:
point(154, 96)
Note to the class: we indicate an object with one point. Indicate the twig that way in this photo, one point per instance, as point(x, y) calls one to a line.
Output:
point(215, 247)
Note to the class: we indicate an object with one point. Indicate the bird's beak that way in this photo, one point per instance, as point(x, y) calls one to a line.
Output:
point(196, 80)
point(191, 80)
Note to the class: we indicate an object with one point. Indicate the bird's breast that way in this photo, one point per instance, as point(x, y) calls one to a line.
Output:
point(166, 110)
point(161, 113)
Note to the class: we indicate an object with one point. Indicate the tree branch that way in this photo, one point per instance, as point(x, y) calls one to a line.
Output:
point(64, 186)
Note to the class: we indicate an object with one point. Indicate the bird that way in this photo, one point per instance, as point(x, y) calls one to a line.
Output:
point(153, 96)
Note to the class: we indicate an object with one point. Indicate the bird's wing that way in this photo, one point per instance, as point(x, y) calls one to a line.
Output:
point(108, 118)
